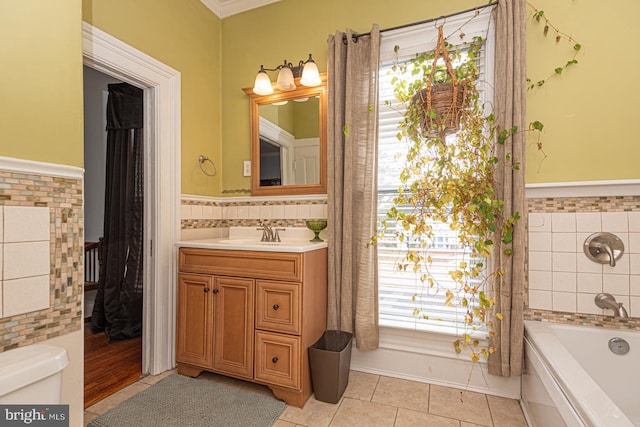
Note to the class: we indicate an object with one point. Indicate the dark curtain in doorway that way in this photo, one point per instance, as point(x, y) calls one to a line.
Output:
point(118, 306)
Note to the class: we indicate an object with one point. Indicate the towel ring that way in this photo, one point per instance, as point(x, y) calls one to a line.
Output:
point(201, 160)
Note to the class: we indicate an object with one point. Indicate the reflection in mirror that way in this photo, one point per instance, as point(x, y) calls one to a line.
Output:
point(288, 141)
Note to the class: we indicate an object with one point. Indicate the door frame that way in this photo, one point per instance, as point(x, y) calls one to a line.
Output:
point(161, 85)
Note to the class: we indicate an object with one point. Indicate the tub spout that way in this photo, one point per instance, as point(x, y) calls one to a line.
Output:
point(608, 301)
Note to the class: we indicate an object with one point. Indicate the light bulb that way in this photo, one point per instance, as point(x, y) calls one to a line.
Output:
point(262, 85)
point(285, 79)
point(310, 74)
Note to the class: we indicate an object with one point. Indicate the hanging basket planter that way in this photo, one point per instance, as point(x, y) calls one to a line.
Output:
point(440, 104)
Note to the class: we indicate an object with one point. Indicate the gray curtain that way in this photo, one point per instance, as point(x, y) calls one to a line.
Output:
point(118, 306)
point(510, 91)
point(352, 189)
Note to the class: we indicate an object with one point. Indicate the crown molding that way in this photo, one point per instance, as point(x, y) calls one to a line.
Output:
point(214, 6)
point(224, 9)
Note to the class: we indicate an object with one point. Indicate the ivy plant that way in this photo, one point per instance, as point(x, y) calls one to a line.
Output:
point(449, 178)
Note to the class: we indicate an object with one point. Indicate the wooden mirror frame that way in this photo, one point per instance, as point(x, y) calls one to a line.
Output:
point(300, 92)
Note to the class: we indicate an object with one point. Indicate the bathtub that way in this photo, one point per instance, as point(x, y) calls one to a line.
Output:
point(572, 378)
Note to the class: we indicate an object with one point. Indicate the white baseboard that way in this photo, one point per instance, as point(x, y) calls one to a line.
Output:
point(432, 369)
point(429, 357)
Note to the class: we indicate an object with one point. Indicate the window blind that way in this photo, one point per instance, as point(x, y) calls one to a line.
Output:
point(401, 293)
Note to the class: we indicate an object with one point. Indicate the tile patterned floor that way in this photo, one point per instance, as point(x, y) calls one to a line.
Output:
point(370, 400)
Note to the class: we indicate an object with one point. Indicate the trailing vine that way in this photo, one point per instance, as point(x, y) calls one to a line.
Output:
point(539, 17)
point(449, 178)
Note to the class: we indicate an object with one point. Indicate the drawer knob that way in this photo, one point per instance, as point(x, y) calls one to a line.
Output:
point(276, 306)
point(275, 359)
point(207, 289)
point(215, 291)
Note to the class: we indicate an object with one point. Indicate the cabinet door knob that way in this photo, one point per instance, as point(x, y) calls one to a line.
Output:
point(276, 306)
point(215, 291)
point(275, 359)
point(207, 289)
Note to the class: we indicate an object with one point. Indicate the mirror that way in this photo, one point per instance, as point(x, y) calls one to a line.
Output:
point(289, 141)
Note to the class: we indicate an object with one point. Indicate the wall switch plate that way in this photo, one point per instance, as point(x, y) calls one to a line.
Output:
point(247, 168)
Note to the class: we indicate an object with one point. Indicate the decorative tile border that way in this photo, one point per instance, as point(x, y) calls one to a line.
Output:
point(63, 196)
point(246, 191)
point(193, 202)
point(225, 223)
point(583, 204)
point(222, 220)
point(592, 320)
point(201, 223)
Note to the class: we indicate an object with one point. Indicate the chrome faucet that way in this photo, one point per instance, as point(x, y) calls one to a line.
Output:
point(603, 248)
point(276, 235)
point(267, 233)
point(270, 234)
point(604, 300)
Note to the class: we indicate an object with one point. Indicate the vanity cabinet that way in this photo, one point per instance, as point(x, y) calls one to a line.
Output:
point(252, 315)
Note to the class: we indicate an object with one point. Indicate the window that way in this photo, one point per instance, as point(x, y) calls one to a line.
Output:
point(397, 289)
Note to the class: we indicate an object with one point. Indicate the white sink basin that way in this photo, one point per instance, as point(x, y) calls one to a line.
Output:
point(237, 241)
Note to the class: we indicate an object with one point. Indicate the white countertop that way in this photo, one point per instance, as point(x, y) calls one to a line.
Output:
point(248, 239)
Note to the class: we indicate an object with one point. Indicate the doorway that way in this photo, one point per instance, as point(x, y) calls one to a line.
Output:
point(161, 85)
point(100, 352)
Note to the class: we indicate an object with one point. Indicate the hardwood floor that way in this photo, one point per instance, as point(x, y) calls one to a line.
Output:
point(109, 367)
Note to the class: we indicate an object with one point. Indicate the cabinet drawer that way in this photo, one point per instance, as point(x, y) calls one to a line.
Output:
point(259, 265)
point(278, 359)
point(278, 306)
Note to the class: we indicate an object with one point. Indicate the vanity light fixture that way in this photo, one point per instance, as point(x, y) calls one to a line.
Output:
point(287, 72)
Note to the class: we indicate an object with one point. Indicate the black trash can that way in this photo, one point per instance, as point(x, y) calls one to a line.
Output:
point(330, 359)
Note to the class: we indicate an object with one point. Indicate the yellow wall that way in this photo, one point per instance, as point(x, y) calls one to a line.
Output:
point(587, 131)
point(300, 119)
point(307, 118)
point(185, 35)
point(591, 111)
point(41, 81)
point(588, 112)
point(280, 115)
point(291, 29)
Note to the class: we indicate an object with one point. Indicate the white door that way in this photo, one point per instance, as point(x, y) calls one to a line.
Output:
point(307, 161)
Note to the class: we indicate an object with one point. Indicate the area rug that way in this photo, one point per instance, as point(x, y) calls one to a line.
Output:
point(188, 402)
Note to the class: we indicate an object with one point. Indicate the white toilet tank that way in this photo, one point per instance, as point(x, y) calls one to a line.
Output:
point(32, 374)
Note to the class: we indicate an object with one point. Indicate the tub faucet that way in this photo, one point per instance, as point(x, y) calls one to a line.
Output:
point(606, 248)
point(604, 300)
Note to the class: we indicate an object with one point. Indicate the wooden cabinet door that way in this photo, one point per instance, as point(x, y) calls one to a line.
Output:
point(195, 320)
point(233, 334)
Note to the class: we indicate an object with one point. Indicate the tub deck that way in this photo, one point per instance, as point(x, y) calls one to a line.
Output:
point(572, 374)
